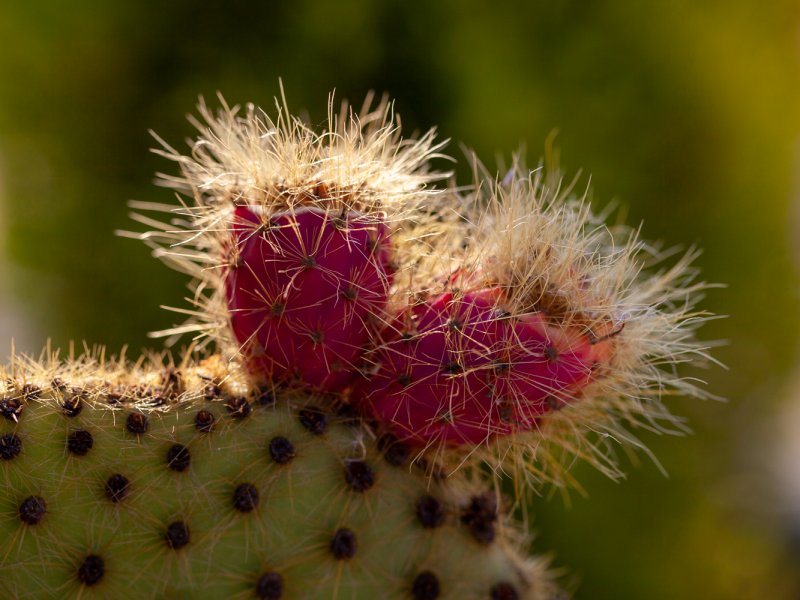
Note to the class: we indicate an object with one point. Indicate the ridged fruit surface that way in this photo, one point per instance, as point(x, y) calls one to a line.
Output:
point(461, 368)
point(304, 290)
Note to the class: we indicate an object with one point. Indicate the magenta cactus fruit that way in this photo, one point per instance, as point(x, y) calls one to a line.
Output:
point(304, 290)
point(289, 238)
point(527, 329)
point(460, 368)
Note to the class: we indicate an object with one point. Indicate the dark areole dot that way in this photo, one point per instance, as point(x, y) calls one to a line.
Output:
point(504, 591)
point(269, 586)
point(480, 517)
point(204, 421)
point(171, 382)
point(281, 450)
point(277, 309)
point(348, 414)
point(551, 353)
point(91, 570)
point(426, 586)
point(32, 510)
point(237, 407)
point(31, 392)
point(245, 497)
point(430, 512)
point(212, 392)
point(137, 423)
point(453, 368)
point(177, 535)
point(359, 475)
point(73, 406)
point(79, 442)
point(404, 380)
point(11, 408)
point(178, 457)
point(344, 544)
point(314, 420)
point(265, 398)
point(117, 487)
point(394, 451)
point(10, 446)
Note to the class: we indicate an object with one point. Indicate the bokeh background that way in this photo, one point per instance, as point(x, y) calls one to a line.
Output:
point(687, 113)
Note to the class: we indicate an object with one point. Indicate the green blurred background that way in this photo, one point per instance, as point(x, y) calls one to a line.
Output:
point(684, 112)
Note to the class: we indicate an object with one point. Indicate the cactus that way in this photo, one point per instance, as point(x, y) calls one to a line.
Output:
point(378, 343)
point(146, 481)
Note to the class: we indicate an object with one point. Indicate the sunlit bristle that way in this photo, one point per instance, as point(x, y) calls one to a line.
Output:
point(359, 162)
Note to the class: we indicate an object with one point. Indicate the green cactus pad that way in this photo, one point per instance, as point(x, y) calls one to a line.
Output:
point(124, 481)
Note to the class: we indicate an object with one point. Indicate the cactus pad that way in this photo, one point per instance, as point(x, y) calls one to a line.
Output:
point(132, 482)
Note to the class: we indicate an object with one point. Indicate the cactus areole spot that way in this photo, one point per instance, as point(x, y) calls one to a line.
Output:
point(430, 512)
point(73, 406)
point(426, 586)
point(269, 587)
point(314, 420)
point(32, 510)
point(344, 544)
point(178, 457)
point(177, 535)
point(10, 446)
point(245, 497)
point(480, 517)
point(137, 423)
point(79, 442)
point(304, 264)
point(204, 421)
point(281, 450)
point(117, 488)
point(504, 591)
point(359, 475)
point(91, 570)
point(467, 374)
point(395, 452)
point(11, 408)
point(238, 407)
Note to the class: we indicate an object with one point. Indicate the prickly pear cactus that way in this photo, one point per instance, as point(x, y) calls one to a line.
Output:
point(376, 344)
point(131, 481)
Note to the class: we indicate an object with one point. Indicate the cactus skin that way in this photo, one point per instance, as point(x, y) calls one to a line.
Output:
point(302, 289)
point(122, 481)
point(461, 368)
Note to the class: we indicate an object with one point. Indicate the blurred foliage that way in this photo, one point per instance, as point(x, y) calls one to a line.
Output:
point(684, 112)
